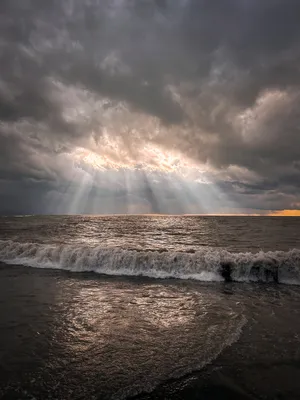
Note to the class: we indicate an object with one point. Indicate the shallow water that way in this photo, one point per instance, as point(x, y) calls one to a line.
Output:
point(87, 336)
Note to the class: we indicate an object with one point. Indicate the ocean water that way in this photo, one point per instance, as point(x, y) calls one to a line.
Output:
point(152, 307)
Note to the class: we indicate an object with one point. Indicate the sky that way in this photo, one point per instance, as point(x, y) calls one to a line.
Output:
point(150, 106)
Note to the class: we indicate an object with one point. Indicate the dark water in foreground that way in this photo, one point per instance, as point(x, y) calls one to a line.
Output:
point(102, 324)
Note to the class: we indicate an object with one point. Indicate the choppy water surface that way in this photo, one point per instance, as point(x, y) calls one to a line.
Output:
point(117, 334)
point(250, 249)
point(236, 234)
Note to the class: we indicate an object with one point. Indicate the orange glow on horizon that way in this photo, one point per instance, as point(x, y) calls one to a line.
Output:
point(285, 213)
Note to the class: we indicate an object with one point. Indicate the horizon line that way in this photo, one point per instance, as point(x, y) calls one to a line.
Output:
point(275, 213)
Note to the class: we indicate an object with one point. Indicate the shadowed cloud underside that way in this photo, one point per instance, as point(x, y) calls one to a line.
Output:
point(126, 106)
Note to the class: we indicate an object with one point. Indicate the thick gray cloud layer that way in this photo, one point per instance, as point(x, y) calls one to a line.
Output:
point(218, 80)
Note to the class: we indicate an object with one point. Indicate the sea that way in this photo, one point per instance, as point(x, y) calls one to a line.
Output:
point(149, 307)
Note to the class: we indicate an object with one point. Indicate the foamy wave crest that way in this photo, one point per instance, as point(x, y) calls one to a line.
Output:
point(204, 265)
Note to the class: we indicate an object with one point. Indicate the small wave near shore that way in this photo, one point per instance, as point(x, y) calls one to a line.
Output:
point(207, 264)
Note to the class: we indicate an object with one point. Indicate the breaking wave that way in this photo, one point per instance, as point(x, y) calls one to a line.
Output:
point(208, 264)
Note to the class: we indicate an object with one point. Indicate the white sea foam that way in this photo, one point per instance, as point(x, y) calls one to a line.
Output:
point(207, 264)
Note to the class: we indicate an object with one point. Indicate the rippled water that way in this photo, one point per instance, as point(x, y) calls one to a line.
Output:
point(236, 234)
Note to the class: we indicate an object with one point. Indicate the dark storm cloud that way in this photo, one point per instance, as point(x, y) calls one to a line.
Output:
point(221, 76)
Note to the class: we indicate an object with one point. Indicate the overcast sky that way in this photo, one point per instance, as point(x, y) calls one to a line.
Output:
point(149, 106)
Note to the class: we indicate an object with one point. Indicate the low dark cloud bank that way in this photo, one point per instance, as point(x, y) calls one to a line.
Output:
point(219, 78)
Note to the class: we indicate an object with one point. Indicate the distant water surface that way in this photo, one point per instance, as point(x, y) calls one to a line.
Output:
point(237, 234)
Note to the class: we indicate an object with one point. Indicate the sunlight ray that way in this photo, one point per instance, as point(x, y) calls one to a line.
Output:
point(80, 197)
